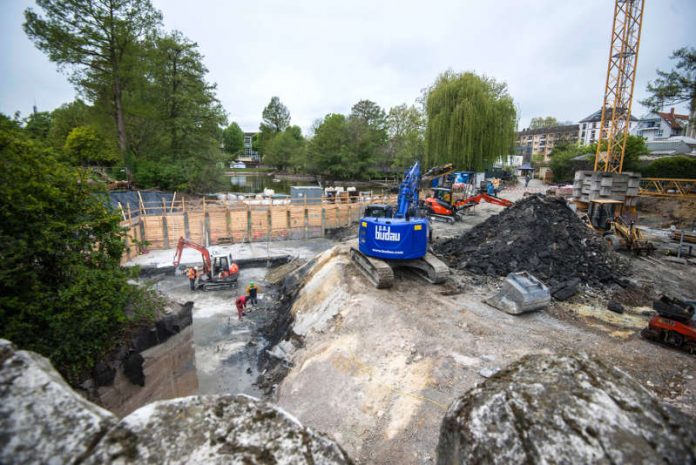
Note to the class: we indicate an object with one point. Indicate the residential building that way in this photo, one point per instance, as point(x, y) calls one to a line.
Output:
point(249, 155)
point(588, 132)
point(659, 125)
point(542, 141)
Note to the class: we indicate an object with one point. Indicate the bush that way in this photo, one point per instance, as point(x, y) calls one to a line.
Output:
point(62, 291)
point(671, 167)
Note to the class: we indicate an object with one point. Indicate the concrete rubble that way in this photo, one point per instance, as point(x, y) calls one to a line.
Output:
point(42, 420)
point(564, 409)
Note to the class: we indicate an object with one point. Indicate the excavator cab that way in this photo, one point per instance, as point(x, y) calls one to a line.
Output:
point(603, 212)
point(379, 211)
point(443, 194)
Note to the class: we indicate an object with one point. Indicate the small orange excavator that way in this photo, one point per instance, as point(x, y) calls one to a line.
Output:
point(442, 205)
point(674, 323)
point(219, 271)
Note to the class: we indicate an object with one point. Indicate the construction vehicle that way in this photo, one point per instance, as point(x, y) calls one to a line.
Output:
point(442, 204)
point(604, 216)
point(391, 237)
point(674, 324)
point(219, 270)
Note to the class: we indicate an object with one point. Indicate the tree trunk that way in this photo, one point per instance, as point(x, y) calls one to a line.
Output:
point(691, 130)
point(120, 121)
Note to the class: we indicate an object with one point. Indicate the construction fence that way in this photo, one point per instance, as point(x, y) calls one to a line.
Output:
point(213, 222)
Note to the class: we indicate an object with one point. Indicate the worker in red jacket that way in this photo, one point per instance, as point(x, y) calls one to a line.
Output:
point(241, 303)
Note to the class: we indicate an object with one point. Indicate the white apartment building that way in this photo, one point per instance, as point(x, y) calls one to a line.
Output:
point(588, 132)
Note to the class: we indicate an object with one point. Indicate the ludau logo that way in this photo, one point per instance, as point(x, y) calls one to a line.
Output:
point(383, 233)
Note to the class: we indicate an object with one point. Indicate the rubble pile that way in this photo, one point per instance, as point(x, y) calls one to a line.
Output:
point(538, 234)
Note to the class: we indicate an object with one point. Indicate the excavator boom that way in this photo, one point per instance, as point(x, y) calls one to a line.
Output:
point(183, 243)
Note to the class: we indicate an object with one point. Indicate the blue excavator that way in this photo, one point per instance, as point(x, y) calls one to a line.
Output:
point(390, 238)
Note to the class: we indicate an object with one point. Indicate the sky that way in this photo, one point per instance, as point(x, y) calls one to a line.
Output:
point(323, 56)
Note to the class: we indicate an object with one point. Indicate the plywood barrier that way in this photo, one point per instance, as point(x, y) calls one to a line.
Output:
point(214, 223)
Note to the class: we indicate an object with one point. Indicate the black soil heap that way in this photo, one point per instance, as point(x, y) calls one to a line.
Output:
point(540, 235)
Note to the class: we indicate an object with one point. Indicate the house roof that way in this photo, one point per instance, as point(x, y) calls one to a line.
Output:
point(675, 120)
point(570, 128)
point(597, 116)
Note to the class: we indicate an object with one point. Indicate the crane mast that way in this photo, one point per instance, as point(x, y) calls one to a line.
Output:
point(618, 90)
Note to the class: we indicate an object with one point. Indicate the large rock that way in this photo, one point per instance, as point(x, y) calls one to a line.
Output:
point(214, 430)
point(42, 420)
point(564, 409)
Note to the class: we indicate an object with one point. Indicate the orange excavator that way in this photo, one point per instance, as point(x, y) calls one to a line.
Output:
point(674, 323)
point(219, 270)
point(442, 205)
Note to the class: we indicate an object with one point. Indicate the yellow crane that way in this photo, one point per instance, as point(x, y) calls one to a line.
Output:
point(618, 90)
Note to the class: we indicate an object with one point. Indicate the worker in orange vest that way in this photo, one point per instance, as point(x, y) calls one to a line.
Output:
point(192, 275)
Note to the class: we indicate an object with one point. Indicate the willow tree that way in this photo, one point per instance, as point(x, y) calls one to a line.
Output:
point(471, 121)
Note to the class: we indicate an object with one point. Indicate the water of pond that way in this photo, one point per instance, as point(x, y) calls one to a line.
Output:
point(257, 182)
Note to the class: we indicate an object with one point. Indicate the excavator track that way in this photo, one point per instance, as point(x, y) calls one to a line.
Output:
point(430, 268)
point(378, 272)
point(381, 274)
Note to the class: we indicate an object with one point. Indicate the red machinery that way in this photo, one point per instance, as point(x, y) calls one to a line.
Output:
point(674, 324)
point(219, 270)
point(441, 204)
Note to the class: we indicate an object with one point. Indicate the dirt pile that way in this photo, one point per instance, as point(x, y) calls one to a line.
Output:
point(540, 235)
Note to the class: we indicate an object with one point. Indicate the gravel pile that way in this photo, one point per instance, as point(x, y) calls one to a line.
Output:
point(540, 235)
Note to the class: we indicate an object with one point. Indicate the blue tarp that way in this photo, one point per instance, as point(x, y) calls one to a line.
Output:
point(152, 199)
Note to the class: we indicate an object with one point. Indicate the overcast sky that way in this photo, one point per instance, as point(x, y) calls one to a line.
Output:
point(322, 56)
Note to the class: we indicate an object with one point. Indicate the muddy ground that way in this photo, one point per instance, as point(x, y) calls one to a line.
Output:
point(227, 349)
point(376, 369)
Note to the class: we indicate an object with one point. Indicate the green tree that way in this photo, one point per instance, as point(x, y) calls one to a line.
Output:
point(564, 163)
point(97, 40)
point(285, 149)
point(671, 167)
point(85, 146)
point(62, 292)
point(38, 125)
point(635, 147)
point(66, 118)
point(233, 138)
point(367, 126)
point(188, 109)
point(276, 117)
point(175, 119)
point(370, 113)
point(471, 121)
point(328, 151)
point(406, 132)
point(677, 86)
point(540, 122)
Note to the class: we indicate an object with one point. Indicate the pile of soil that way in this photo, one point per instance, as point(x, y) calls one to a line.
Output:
point(538, 234)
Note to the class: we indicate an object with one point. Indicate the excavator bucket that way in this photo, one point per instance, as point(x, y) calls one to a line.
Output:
point(521, 293)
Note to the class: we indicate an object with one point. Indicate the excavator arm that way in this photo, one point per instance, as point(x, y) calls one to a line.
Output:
point(476, 199)
point(183, 243)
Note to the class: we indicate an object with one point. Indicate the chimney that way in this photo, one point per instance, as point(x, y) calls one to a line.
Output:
point(671, 112)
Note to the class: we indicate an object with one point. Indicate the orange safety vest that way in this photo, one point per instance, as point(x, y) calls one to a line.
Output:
point(234, 268)
point(191, 273)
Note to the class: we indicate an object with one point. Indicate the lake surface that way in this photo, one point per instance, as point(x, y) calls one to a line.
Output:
point(257, 182)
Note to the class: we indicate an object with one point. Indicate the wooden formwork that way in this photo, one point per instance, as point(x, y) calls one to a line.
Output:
point(160, 226)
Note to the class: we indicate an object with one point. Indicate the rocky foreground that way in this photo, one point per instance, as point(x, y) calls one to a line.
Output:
point(43, 421)
point(564, 408)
